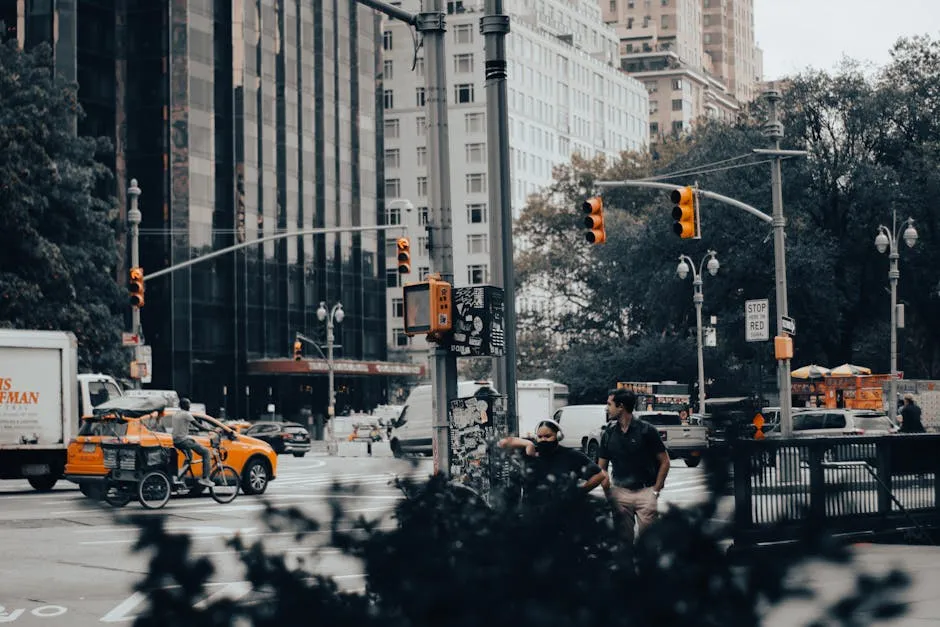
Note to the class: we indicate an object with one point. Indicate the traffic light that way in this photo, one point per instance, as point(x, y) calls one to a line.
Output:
point(135, 286)
point(298, 350)
point(428, 307)
point(593, 209)
point(404, 255)
point(685, 213)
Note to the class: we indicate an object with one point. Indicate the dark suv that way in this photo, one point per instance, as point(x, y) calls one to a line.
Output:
point(284, 437)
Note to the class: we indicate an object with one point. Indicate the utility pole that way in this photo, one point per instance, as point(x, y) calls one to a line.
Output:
point(134, 218)
point(430, 24)
point(495, 26)
point(773, 129)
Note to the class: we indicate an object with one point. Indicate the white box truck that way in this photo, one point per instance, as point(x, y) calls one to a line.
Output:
point(42, 399)
point(536, 400)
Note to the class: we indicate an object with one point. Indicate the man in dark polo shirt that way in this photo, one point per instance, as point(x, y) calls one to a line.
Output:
point(640, 460)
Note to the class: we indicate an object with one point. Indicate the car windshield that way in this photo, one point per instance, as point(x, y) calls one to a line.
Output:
point(873, 422)
point(662, 420)
point(103, 427)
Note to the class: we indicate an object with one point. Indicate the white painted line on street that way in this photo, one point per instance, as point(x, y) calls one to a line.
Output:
point(121, 612)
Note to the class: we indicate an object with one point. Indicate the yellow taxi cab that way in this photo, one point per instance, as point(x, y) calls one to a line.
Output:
point(147, 421)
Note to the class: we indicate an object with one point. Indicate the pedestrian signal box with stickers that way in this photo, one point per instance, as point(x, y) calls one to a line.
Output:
point(428, 307)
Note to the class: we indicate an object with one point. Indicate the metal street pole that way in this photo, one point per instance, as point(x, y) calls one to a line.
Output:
point(430, 23)
point(134, 218)
point(495, 26)
point(686, 265)
point(888, 240)
point(335, 314)
point(774, 130)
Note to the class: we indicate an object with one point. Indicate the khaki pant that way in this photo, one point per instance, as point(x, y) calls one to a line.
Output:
point(636, 507)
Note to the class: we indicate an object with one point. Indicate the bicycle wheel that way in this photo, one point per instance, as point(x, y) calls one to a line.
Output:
point(153, 491)
point(225, 484)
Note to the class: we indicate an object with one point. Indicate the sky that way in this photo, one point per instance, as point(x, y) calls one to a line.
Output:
point(796, 34)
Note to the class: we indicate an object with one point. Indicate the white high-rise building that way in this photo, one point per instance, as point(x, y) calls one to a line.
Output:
point(566, 95)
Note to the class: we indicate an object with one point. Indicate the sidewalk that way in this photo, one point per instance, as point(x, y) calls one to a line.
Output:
point(830, 582)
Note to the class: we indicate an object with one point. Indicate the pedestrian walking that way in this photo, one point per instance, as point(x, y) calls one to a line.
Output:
point(640, 464)
point(910, 416)
point(553, 468)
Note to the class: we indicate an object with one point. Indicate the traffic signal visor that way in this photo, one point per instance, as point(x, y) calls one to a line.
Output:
point(404, 255)
point(593, 209)
point(684, 213)
point(135, 286)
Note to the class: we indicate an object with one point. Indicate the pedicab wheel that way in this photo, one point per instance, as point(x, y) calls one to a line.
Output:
point(225, 484)
point(153, 491)
point(117, 496)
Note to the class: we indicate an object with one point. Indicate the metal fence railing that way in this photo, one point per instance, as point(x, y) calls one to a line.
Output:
point(848, 485)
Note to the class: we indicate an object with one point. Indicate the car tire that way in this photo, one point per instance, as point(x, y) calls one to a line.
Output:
point(692, 462)
point(299, 454)
point(255, 477)
point(43, 483)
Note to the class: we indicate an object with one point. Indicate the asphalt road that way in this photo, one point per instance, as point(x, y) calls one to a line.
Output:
point(65, 560)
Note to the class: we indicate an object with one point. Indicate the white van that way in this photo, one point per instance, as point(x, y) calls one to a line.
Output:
point(412, 430)
point(582, 426)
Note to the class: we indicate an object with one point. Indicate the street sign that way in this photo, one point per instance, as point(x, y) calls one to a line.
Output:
point(711, 337)
point(757, 320)
point(788, 325)
point(130, 339)
point(144, 357)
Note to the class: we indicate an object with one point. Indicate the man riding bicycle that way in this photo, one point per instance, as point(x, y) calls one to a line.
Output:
point(182, 422)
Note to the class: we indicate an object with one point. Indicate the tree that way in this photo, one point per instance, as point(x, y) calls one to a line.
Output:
point(58, 250)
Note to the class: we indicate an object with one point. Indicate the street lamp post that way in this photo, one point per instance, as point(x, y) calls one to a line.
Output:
point(686, 265)
point(887, 240)
point(134, 218)
point(335, 314)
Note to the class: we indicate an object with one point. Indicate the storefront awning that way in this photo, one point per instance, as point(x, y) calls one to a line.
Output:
point(341, 366)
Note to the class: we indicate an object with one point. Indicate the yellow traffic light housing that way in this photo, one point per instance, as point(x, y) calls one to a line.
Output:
point(593, 209)
point(298, 350)
point(428, 307)
point(404, 255)
point(685, 213)
point(135, 287)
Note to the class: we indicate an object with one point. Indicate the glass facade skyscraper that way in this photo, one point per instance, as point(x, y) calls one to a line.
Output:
point(242, 119)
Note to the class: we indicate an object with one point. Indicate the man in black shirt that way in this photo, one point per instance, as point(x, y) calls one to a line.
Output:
point(641, 463)
point(553, 467)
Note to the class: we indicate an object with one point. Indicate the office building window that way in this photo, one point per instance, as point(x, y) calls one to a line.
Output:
point(421, 126)
point(676, 84)
point(392, 214)
point(677, 105)
point(422, 156)
point(392, 129)
point(387, 70)
point(400, 338)
point(387, 40)
point(476, 213)
point(613, 5)
point(463, 63)
point(654, 106)
point(423, 272)
point(419, 97)
point(422, 244)
point(392, 278)
point(474, 123)
point(654, 128)
point(424, 216)
point(476, 153)
point(422, 186)
point(665, 22)
point(391, 248)
point(392, 188)
point(477, 244)
point(398, 308)
point(419, 67)
point(476, 274)
point(476, 183)
point(388, 99)
point(463, 93)
point(677, 127)
point(463, 33)
point(393, 158)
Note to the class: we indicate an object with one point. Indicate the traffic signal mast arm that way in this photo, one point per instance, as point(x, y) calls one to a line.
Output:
point(300, 337)
point(701, 192)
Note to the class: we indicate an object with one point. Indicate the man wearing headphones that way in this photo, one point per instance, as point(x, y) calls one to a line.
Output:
point(552, 465)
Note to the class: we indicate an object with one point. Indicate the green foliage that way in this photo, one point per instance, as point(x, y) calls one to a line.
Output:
point(58, 237)
point(874, 145)
point(449, 559)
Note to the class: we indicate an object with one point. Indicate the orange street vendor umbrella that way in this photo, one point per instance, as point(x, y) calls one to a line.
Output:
point(848, 370)
point(811, 371)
